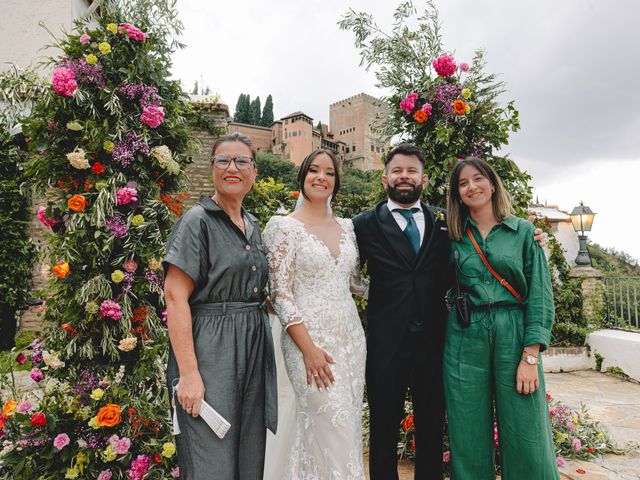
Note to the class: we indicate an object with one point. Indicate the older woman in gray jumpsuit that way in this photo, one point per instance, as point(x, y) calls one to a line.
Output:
point(221, 348)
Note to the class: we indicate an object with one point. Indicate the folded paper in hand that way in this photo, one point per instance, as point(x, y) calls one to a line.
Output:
point(216, 422)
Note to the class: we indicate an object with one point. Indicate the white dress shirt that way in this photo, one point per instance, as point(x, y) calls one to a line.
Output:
point(402, 222)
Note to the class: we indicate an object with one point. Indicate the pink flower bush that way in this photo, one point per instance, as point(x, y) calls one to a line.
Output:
point(105, 475)
point(445, 66)
point(64, 81)
point(61, 441)
point(152, 116)
point(120, 445)
point(139, 467)
point(464, 67)
point(427, 108)
point(409, 103)
point(134, 33)
point(111, 309)
point(126, 195)
point(47, 222)
point(24, 407)
point(85, 39)
point(36, 374)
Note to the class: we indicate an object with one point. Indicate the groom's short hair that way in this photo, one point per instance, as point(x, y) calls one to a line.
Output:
point(404, 149)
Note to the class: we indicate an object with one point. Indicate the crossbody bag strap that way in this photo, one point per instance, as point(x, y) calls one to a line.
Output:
point(497, 276)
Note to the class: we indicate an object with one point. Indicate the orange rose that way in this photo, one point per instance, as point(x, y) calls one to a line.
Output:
point(459, 107)
point(109, 415)
point(9, 408)
point(420, 116)
point(295, 194)
point(77, 203)
point(61, 269)
point(407, 423)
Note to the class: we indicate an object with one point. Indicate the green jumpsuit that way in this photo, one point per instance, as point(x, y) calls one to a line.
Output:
point(480, 361)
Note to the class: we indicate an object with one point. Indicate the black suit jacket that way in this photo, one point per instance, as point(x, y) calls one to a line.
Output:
point(407, 290)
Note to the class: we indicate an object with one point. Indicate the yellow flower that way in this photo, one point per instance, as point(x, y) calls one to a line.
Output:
point(600, 435)
point(74, 125)
point(168, 450)
point(112, 27)
point(9, 408)
point(109, 454)
point(137, 220)
point(466, 93)
point(561, 437)
point(93, 423)
point(72, 473)
point(104, 47)
point(108, 146)
point(91, 59)
point(155, 264)
point(97, 394)
point(117, 276)
point(467, 109)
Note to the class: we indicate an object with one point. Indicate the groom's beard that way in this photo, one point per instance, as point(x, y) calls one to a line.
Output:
point(405, 196)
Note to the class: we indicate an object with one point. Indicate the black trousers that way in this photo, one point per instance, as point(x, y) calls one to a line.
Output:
point(416, 366)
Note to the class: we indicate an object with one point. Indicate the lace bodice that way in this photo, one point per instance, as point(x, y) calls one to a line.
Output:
point(303, 272)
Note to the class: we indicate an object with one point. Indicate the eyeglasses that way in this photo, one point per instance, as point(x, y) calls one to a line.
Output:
point(222, 162)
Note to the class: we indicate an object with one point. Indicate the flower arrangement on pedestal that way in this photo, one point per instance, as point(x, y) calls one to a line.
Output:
point(109, 146)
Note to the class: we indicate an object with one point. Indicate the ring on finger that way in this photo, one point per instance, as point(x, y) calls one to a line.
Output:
point(316, 375)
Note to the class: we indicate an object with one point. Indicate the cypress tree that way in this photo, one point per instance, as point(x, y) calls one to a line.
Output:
point(246, 107)
point(267, 112)
point(195, 88)
point(237, 116)
point(254, 112)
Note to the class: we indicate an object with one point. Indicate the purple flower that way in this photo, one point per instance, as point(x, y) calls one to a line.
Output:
point(124, 151)
point(127, 282)
point(86, 74)
point(36, 374)
point(570, 425)
point(61, 441)
point(116, 226)
point(147, 95)
point(152, 277)
point(164, 316)
point(444, 95)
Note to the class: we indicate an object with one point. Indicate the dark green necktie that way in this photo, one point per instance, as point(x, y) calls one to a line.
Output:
point(411, 230)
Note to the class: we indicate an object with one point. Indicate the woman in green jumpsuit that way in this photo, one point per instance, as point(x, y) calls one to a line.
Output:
point(492, 366)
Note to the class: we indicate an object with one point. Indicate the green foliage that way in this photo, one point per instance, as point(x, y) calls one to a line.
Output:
point(254, 112)
point(86, 346)
point(613, 262)
point(243, 109)
point(402, 60)
point(267, 112)
point(276, 167)
point(195, 89)
point(599, 359)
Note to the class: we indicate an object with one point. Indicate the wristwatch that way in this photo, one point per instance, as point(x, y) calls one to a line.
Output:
point(530, 359)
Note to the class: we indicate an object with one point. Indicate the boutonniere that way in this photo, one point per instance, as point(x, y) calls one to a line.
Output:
point(440, 216)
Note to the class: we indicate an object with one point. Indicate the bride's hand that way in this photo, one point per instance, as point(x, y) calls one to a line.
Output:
point(317, 363)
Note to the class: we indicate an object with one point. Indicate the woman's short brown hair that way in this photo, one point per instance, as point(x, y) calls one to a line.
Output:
point(457, 211)
point(234, 137)
point(306, 165)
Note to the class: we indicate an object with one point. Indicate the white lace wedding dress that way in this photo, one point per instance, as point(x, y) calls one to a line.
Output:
point(310, 285)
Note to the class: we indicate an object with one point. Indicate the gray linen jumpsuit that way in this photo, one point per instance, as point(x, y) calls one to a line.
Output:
point(232, 341)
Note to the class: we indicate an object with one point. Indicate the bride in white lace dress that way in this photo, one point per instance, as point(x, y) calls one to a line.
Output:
point(313, 260)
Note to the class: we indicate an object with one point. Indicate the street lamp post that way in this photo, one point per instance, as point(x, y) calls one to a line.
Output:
point(582, 219)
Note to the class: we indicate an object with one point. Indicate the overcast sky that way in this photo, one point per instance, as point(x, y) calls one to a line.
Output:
point(572, 67)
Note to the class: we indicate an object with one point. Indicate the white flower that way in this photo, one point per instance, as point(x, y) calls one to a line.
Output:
point(162, 154)
point(82, 443)
point(78, 160)
point(119, 375)
point(128, 344)
point(52, 360)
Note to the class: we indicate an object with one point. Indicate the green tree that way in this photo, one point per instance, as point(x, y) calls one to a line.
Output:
point(110, 164)
point(267, 112)
point(195, 88)
point(281, 170)
point(238, 116)
point(402, 60)
point(254, 112)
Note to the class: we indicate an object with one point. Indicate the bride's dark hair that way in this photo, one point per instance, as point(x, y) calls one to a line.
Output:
point(306, 165)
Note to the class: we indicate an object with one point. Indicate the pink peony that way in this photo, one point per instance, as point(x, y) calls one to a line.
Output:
point(445, 66)
point(446, 456)
point(63, 81)
point(120, 445)
point(560, 462)
point(409, 103)
point(24, 407)
point(152, 116)
point(36, 374)
point(85, 39)
point(61, 441)
point(139, 467)
point(126, 195)
point(427, 108)
point(105, 475)
point(111, 309)
point(175, 472)
point(134, 33)
point(577, 444)
point(464, 67)
point(47, 222)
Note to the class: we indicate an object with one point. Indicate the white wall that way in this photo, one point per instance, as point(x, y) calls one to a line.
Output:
point(21, 38)
point(568, 240)
point(619, 349)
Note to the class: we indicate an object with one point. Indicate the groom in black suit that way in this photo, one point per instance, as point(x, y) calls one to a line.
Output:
point(405, 246)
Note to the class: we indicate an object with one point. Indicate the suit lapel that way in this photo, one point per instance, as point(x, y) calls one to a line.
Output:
point(429, 233)
point(394, 236)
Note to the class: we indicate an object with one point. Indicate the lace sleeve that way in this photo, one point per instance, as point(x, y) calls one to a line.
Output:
point(280, 243)
point(359, 285)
